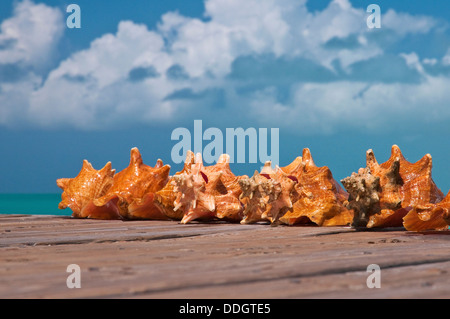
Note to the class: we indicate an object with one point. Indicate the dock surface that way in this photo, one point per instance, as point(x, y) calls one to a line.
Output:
point(164, 259)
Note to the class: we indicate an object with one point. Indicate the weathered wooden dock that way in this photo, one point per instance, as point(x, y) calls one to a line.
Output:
point(164, 259)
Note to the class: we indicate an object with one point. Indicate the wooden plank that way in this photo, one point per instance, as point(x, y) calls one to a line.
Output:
point(63, 230)
point(164, 259)
point(429, 281)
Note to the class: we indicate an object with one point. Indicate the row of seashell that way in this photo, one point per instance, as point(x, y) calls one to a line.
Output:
point(396, 193)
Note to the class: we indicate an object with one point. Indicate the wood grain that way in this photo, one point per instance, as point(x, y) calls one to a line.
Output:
point(164, 259)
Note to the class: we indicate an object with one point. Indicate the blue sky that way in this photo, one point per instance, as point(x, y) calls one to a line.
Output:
point(132, 74)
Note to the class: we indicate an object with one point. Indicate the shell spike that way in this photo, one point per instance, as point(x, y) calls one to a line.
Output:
point(370, 158)
point(307, 157)
point(135, 156)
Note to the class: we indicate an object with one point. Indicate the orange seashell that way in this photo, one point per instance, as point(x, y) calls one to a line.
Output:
point(164, 199)
point(192, 194)
point(133, 189)
point(202, 192)
point(225, 189)
point(412, 180)
point(318, 197)
point(429, 216)
point(401, 186)
point(267, 195)
point(88, 185)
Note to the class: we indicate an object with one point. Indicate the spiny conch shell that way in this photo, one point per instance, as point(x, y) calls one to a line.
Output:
point(192, 197)
point(133, 189)
point(402, 186)
point(267, 195)
point(226, 190)
point(318, 197)
point(166, 197)
point(364, 196)
point(207, 192)
point(88, 185)
point(429, 216)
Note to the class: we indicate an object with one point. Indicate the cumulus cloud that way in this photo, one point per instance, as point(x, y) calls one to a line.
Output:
point(97, 87)
point(27, 46)
point(30, 36)
point(273, 62)
point(403, 23)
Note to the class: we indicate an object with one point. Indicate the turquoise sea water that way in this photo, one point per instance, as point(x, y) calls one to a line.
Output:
point(32, 204)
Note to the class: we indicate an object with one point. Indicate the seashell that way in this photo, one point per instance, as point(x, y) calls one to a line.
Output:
point(192, 195)
point(266, 195)
point(364, 196)
point(164, 199)
point(429, 216)
point(132, 192)
point(88, 185)
point(225, 189)
point(413, 180)
point(390, 194)
point(318, 197)
point(402, 185)
point(199, 192)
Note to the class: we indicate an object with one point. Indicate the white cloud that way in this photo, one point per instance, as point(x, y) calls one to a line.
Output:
point(446, 58)
point(430, 61)
point(184, 68)
point(324, 107)
point(91, 89)
point(404, 23)
point(27, 43)
point(14, 101)
point(413, 61)
point(31, 34)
